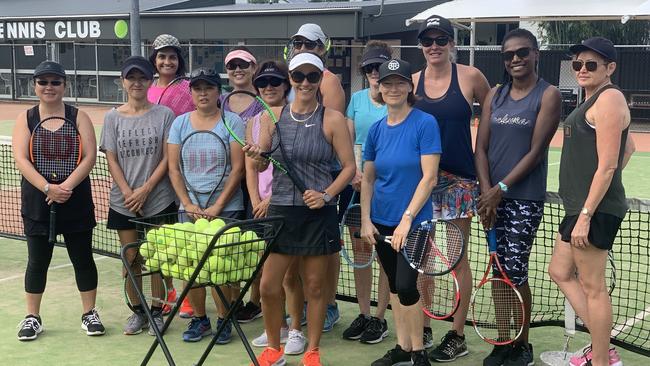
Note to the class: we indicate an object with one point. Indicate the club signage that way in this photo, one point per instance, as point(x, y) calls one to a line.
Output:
point(63, 29)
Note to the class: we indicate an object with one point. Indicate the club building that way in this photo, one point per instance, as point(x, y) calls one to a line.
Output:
point(91, 39)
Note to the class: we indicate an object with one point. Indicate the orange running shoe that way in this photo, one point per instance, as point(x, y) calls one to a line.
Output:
point(186, 309)
point(271, 357)
point(171, 298)
point(311, 358)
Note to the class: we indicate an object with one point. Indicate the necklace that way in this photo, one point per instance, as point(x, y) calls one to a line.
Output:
point(303, 120)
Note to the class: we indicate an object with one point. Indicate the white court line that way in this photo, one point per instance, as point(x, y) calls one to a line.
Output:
point(620, 328)
point(556, 163)
point(51, 268)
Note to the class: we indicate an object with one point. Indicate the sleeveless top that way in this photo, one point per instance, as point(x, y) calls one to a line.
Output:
point(579, 162)
point(79, 209)
point(251, 111)
point(453, 114)
point(512, 123)
point(310, 156)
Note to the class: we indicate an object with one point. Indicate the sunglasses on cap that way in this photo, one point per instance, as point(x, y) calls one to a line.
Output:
point(234, 64)
point(591, 66)
point(51, 82)
point(313, 77)
point(521, 53)
point(299, 43)
point(204, 72)
point(262, 83)
point(440, 41)
point(368, 69)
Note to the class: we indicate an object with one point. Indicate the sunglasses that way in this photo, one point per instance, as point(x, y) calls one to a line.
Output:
point(310, 45)
point(368, 69)
point(204, 72)
point(51, 82)
point(591, 66)
point(264, 82)
point(233, 65)
point(440, 41)
point(521, 53)
point(313, 77)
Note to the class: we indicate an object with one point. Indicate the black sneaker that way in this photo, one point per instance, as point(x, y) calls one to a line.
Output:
point(427, 337)
point(30, 328)
point(419, 358)
point(91, 324)
point(355, 330)
point(498, 355)
point(520, 355)
point(451, 347)
point(376, 331)
point(248, 313)
point(395, 357)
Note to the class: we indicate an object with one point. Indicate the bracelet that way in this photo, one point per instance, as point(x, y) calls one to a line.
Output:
point(503, 187)
point(409, 214)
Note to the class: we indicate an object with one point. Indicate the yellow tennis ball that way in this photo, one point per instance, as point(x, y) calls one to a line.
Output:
point(218, 278)
point(201, 224)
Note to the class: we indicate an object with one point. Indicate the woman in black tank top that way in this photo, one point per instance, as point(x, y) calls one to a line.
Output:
point(75, 212)
point(595, 150)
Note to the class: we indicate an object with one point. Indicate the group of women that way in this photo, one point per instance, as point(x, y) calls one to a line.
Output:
point(418, 164)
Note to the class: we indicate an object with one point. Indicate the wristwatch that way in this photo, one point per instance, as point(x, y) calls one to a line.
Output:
point(326, 197)
point(585, 211)
point(503, 187)
point(46, 188)
point(409, 214)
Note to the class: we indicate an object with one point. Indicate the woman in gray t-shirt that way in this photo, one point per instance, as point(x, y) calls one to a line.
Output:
point(133, 139)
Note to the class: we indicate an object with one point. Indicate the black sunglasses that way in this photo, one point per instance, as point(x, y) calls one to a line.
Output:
point(299, 43)
point(264, 82)
point(204, 72)
point(591, 66)
point(51, 82)
point(313, 77)
point(521, 53)
point(243, 65)
point(370, 68)
point(440, 41)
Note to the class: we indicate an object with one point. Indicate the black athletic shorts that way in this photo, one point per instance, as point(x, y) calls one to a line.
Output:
point(117, 221)
point(602, 231)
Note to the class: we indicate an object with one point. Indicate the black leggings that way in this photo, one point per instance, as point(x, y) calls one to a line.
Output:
point(79, 246)
point(402, 278)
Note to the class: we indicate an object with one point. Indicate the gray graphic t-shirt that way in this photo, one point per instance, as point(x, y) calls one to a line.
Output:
point(138, 143)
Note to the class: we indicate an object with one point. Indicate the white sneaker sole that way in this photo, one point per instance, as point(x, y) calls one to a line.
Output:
point(375, 341)
point(38, 331)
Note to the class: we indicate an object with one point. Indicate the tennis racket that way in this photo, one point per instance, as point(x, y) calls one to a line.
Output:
point(496, 305)
point(440, 295)
point(204, 161)
point(240, 136)
point(355, 251)
point(177, 95)
point(151, 284)
point(55, 150)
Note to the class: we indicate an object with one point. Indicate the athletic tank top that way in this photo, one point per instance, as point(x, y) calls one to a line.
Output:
point(579, 162)
point(512, 123)
point(453, 114)
point(309, 153)
point(79, 207)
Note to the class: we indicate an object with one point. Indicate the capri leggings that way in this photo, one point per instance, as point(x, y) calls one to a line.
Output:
point(40, 254)
point(402, 279)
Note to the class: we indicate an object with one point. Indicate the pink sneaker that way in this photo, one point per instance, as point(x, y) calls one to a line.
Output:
point(585, 359)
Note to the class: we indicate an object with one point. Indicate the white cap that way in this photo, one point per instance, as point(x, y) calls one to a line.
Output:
point(305, 58)
point(312, 32)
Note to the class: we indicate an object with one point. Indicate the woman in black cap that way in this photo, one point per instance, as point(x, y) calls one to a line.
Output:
point(75, 212)
point(596, 148)
point(400, 169)
point(362, 112)
point(133, 139)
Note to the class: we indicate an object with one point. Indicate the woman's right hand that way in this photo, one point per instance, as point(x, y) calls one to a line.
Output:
point(193, 211)
point(58, 194)
point(356, 181)
point(254, 152)
point(368, 232)
point(260, 209)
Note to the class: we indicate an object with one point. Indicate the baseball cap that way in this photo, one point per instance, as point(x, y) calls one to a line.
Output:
point(270, 70)
point(138, 63)
point(375, 56)
point(305, 58)
point(395, 67)
point(600, 45)
point(49, 68)
point(210, 76)
point(312, 32)
point(166, 40)
point(436, 22)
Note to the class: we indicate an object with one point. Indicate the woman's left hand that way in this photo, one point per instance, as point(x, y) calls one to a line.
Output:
point(136, 200)
point(313, 199)
point(580, 233)
point(487, 205)
point(400, 233)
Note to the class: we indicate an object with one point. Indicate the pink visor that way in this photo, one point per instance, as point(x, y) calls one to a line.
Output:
point(240, 54)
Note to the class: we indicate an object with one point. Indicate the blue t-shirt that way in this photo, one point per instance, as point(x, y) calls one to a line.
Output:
point(396, 152)
point(364, 113)
point(182, 127)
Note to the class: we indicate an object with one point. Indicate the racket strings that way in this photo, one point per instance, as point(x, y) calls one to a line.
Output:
point(357, 251)
point(204, 159)
point(497, 311)
point(435, 247)
point(440, 295)
point(56, 153)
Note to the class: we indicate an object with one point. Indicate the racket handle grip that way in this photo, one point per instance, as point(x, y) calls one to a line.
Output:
point(492, 239)
point(52, 228)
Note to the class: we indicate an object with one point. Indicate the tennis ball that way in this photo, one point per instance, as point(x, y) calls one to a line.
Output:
point(121, 28)
point(165, 256)
point(203, 277)
point(228, 265)
point(201, 224)
point(187, 226)
point(235, 276)
point(187, 273)
point(147, 249)
point(168, 230)
point(239, 260)
point(182, 258)
point(252, 259)
point(175, 271)
point(153, 264)
point(165, 268)
point(217, 223)
point(230, 236)
point(247, 273)
point(214, 263)
point(218, 278)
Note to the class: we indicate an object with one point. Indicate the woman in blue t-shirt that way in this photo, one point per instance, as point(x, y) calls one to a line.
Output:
point(400, 170)
point(362, 112)
point(517, 125)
